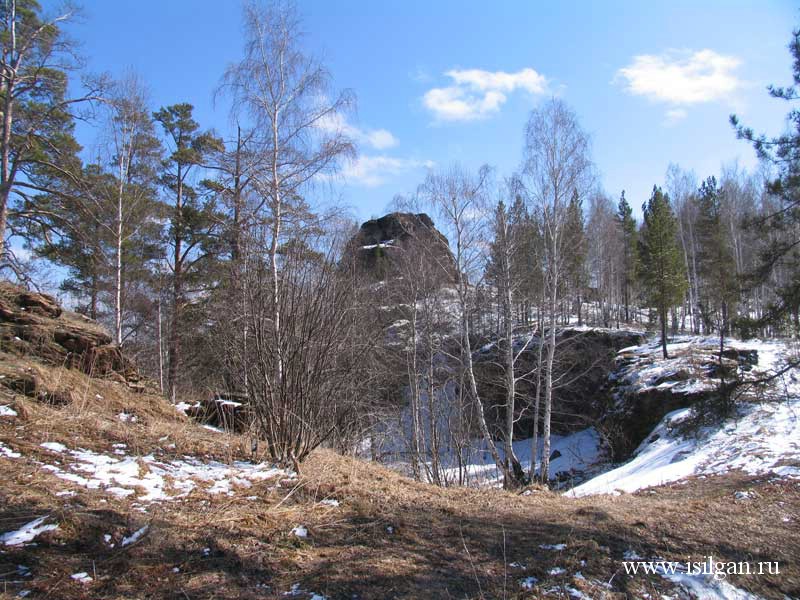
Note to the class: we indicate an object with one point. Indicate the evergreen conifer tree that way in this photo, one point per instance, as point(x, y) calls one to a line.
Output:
point(662, 272)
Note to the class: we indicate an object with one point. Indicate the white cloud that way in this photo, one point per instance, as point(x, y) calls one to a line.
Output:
point(372, 171)
point(378, 139)
point(476, 93)
point(682, 78)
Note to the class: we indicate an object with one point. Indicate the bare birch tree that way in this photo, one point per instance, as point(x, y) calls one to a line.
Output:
point(286, 94)
point(459, 197)
point(556, 167)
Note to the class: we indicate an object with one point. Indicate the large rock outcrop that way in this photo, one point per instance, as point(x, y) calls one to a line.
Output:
point(33, 324)
point(645, 386)
point(398, 242)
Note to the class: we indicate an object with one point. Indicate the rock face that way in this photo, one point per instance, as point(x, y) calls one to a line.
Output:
point(34, 324)
point(382, 245)
point(584, 358)
point(646, 387)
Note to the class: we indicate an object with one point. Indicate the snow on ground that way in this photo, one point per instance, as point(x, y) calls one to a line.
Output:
point(7, 411)
point(300, 531)
point(702, 585)
point(81, 577)
point(135, 536)
point(26, 533)
point(646, 369)
point(8, 452)
point(761, 438)
point(578, 452)
point(148, 477)
point(296, 590)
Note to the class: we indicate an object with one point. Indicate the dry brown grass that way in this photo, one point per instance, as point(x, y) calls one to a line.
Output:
point(389, 538)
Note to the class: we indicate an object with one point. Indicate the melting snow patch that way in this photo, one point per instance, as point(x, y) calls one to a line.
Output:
point(528, 583)
point(7, 411)
point(8, 452)
point(126, 417)
point(556, 571)
point(704, 586)
point(762, 439)
point(82, 577)
point(137, 535)
point(26, 533)
point(54, 446)
point(330, 502)
point(553, 546)
point(300, 531)
point(154, 480)
point(182, 407)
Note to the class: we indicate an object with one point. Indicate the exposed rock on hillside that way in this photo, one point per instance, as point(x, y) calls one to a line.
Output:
point(646, 386)
point(382, 244)
point(33, 324)
point(584, 358)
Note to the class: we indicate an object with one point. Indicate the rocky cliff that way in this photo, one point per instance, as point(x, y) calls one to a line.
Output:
point(386, 247)
point(33, 324)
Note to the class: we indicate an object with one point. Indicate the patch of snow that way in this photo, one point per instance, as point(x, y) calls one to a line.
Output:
point(182, 407)
point(54, 446)
point(556, 571)
point(528, 583)
point(81, 577)
point(330, 502)
point(763, 438)
point(704, 585)
point(126, 417)
point(7, 411)
point(214, 429)
point(386, 244)
point(578, 453)
point(553, 546)
point(152, 479)
point(137, 535)
point(66, 494)
point(8, 452)
point(300, 531)
point(27, 532)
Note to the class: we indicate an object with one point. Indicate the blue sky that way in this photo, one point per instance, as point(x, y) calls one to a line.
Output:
point(445, 81)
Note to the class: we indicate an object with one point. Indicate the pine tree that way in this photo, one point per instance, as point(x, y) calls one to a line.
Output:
point(630, 257)
point(662, 265)
point(716, 261)
point(37, 146)
point(192, 220)
point(781, 226)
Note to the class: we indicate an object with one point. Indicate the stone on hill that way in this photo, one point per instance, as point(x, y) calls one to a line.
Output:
point(33, 324)
point(381, 244)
